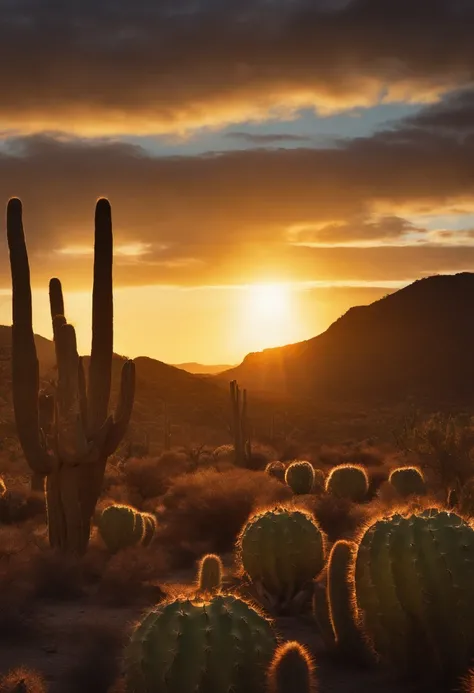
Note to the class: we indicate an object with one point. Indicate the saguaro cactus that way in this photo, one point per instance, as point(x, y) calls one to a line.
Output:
point(72, 454)
point(239, 424)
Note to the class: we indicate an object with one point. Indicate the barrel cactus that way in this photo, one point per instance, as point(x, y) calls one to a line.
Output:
point(468, 682)
point(408, 481)
point(348, 638)
point(277, 470)
point(282, 550)
point(414, 596)
point(300, 477)
point(200, 646)
point(149, 528)
point(121, 526)
point(348, 481)
point(292, 670)
point(210, 573)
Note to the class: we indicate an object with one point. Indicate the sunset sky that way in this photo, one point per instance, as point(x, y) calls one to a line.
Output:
point(269, 162)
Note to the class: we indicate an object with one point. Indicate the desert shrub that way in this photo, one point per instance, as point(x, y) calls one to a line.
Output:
point(152, 477)
point(22, 681)
point(21, 504)
point(130, 574)
point(361, 453)
point(204, 512)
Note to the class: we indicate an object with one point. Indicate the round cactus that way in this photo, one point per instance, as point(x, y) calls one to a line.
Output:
point(121, 526)
point(408, 481)
point(199, 645)
point(282, 550)
point(277, 470)
point(348, 481)
point(23, 680)
point(348, 638)
point(413, 576)
point(149, 528)
point(210, 573)
point(300, 477)
point(292, 670)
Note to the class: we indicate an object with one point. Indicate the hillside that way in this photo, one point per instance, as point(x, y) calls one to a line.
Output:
point(201, 368)
point(417, 342)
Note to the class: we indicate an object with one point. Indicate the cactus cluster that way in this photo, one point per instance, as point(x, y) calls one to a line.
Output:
point(282, 550)
point(413, 578)
point(67, 439)
point(221, 643)
point(408, 481)
point(122, 526)
point(348, 481)
point(300, 477)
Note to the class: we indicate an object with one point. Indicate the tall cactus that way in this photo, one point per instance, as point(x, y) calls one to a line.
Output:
point(242, 446)
point(72, 450)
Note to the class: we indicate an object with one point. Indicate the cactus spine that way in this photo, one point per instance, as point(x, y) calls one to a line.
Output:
point(292, 670)
point(413, 592)
point(73, 456)
point(300, 477)
point(348, 481)
point(242, 446)
point(210, 573)
point(408, 481)
point(206, 645)
point(283, 551)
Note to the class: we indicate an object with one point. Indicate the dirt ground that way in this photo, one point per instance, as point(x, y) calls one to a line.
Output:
point(76, 645)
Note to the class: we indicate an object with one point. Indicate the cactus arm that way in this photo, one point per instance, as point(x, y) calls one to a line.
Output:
point(124, 408)
point(25, 367)
point(100, 366)
point(56, 300)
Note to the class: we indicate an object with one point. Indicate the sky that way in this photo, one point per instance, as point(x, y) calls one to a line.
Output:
point(269, 163)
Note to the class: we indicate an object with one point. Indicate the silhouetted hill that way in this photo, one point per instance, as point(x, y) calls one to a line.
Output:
point(202, 369)
point(417, 342)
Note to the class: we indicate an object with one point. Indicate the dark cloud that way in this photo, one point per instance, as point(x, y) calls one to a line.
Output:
point(386, 228)
point(265, 140)
point(121, 66)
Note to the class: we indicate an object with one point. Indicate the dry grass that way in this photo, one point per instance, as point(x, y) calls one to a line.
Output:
point(204, 512)
point(152, 477)
point(132, 575)
point(22, 681)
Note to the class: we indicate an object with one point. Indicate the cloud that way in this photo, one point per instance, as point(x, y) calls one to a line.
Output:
point(265, 140)
point(252, 215)
point(156, 67)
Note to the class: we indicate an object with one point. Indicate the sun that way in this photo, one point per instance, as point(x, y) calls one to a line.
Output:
point(269, 301)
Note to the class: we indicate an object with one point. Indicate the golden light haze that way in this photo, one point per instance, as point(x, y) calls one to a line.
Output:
point(207, 324)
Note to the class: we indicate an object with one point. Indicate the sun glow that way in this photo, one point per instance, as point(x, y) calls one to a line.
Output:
point(269, 301)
